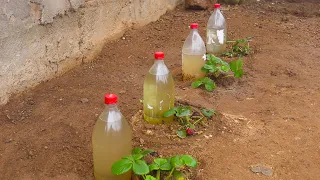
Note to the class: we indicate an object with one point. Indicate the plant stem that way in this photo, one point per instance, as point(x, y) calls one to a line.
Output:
point(188, 119)
point(171, 172)
point(197, 121)
point(230, 75)
point(181, 120)
point(236, 41)
point(158, 174)
point(144, 176)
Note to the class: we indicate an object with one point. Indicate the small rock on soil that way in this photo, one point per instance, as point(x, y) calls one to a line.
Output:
point(197, 4)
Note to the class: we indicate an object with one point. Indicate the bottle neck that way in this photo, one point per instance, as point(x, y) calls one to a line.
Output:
point(159, 61)
point(194, 30)
point(111, 106)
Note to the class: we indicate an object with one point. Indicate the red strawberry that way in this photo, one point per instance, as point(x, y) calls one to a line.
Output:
point(189, 131)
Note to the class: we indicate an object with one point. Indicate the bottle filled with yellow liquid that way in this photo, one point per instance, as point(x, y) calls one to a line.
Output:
point(158, 92)
point(216, 32)
point(111, 140)
point(193, 55)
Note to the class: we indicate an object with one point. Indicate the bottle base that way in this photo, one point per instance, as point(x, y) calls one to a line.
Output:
point(188, 77)
point(153, 120)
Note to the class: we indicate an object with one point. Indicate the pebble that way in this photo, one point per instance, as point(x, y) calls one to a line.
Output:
point(30, 153)
point(149, 132)
point(207, 137)
point(8, 141)
point(122, 92)
point(141, 141)
point(84, 100)
point(265, 170)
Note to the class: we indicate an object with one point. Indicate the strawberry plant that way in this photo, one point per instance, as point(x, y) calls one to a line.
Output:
point(186, 119)
point(236, 67)
point(170, 167)
point(216, 66)
point(240, 48)
point(207, 82)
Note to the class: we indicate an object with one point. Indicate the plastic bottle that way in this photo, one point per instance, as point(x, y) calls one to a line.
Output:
point(193, 55)
point(216, 32)
point(158, 92)
point(111, 140)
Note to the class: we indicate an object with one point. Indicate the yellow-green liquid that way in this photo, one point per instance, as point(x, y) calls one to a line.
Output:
point(158, 97)
point(111, 141)
point(191, 66)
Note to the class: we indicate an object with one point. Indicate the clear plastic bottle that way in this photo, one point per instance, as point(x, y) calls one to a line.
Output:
point(216, 32)
point(158, 92)
point(193, 55)
point(111, 140)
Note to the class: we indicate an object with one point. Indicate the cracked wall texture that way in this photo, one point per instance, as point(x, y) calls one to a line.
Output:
point(40, 39)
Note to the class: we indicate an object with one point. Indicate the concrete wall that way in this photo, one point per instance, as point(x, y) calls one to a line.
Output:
point(40, 39)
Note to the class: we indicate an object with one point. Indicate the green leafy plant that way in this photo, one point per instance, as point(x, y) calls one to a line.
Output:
point(207, 82)
point(134, 161)
point(236, 67)
point(208, 113)
point(239, 48)
point(216, 66)
point(186, 119)
point(179, 111)
point(170, 166)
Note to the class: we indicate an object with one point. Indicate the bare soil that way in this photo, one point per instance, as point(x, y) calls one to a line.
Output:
point(271, 116)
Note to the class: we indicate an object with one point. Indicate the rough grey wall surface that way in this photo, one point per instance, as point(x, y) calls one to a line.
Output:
point(40, 39)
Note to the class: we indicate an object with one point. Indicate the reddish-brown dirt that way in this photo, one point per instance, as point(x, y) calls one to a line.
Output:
point(271, 116)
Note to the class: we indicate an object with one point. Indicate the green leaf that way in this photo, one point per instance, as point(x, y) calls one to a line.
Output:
point(160, 161)
point(209, 57)
point(149, 177)
point(204, 70)
point(153, 167)
point(209, 84)
point(182, 134)
point(236, 66)
point(225, 67)
point(207, 80)
point(128, 157)
point(185, 111)
point(210, 67)
point(140, 167)
point(178, 175)
point(169, 113)
point(238, 74)
point(137, 156)
point(217, 60)
point(190, 125)
point(210, 87)
point(189, 161)
point(208, 113)
point(176, 162)
point(197, 83)
point(163, 164)
point(136, 150)
point(122, 166)
point(147, 151)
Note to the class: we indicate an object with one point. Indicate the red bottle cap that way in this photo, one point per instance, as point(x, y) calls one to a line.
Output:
point(194, 26)
point(110, 99)
point(159, 55)
point(216, 5)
